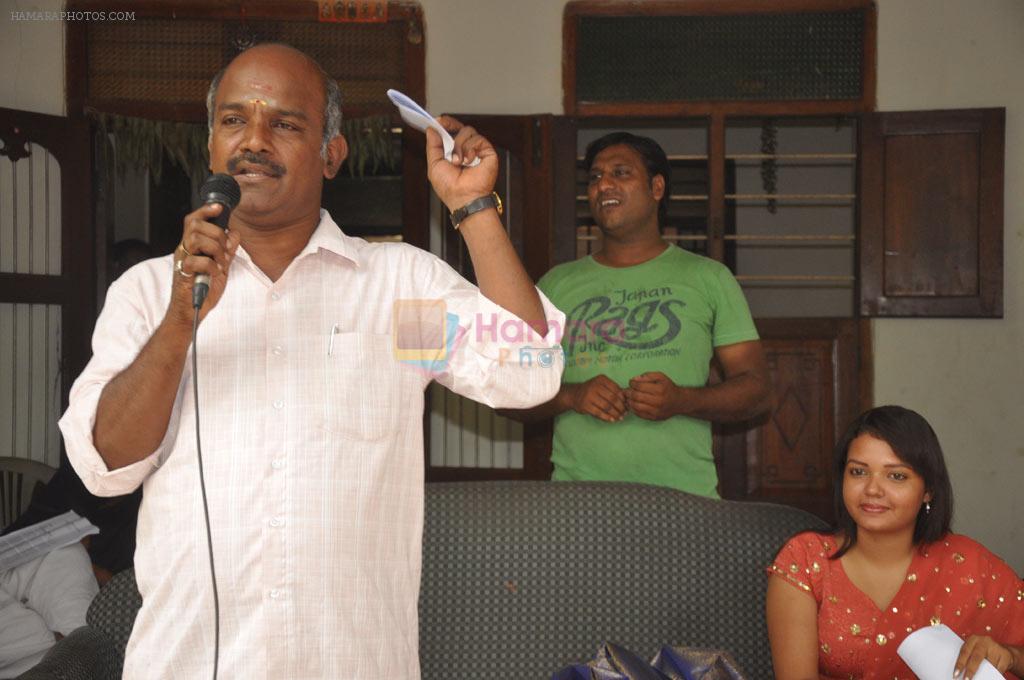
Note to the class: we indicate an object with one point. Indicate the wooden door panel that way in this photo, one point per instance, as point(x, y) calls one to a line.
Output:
point(791, 450)
point(786, 456)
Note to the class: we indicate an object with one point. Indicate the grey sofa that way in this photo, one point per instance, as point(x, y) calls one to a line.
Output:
point(522, 578)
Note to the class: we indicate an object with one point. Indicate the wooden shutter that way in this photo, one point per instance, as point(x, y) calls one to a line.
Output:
point(931, 224)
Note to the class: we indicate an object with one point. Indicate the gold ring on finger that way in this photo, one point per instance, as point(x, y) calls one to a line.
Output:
point(181, 272)
point(183, 248)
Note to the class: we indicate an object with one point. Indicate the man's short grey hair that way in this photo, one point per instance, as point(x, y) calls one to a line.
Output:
point(332, 104)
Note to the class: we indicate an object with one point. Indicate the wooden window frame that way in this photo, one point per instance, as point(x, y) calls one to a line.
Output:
point(76, 59)
point(577, 9)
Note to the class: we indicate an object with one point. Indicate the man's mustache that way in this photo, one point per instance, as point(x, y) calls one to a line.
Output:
point(255, 159)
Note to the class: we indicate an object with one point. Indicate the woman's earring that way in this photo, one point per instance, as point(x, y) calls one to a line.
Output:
point(927, 507)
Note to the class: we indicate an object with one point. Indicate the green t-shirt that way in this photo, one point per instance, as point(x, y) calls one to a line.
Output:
point(667, 314)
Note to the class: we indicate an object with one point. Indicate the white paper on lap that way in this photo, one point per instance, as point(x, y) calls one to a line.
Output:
point(931, 653)
point(24, 545)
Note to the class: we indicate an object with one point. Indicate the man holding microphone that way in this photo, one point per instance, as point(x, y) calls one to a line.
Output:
point(312, 437)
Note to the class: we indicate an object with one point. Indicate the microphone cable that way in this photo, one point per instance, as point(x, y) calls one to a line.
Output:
point(222, 189)
point(202, 488)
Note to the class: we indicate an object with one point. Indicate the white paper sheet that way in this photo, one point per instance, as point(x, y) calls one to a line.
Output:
point(417, 117)
point(931, 653)
point(24, 545)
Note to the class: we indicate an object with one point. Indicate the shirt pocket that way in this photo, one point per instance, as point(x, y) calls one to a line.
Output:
point(364, 387)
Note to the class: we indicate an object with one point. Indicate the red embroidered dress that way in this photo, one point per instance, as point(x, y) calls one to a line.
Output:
point(954, 581)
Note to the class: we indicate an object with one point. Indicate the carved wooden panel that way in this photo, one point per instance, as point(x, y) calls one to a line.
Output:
point(817, 368)
point(791, 451)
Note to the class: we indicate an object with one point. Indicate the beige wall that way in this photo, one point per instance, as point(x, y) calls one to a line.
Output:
point(32, 54)
point(966, 376)
point(494, 56)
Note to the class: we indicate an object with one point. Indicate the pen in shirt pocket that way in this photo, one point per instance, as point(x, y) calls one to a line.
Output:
point(330, 344)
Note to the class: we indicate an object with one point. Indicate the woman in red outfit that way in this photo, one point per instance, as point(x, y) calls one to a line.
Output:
point(840, 603)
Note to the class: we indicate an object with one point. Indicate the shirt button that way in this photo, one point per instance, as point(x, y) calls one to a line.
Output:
point(275, 593)
point(277, 464)
point(275, 296)
point(279, 404)
point(276, 351)
point(276, 522)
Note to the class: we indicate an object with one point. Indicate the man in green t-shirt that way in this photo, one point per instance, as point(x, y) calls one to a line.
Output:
point(644, 319)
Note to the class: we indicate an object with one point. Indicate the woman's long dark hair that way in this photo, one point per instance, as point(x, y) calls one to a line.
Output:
point(913, 440)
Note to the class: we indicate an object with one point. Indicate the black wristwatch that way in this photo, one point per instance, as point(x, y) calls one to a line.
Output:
point(475, 206)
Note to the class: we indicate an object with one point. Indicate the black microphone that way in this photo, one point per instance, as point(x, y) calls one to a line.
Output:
point(224, 190)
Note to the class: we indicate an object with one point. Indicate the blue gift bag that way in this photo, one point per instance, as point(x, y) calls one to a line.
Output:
point(614, 662)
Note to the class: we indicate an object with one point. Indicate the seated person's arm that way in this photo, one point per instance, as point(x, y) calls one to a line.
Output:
point(599, 397)
point(744, 394)
point(980, 647)
point(792, 631)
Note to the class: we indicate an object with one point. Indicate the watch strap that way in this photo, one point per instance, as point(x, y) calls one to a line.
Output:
point(476, 205)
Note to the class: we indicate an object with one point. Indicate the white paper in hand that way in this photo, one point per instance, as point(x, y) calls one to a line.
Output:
point(931, 653)
point(417, 117)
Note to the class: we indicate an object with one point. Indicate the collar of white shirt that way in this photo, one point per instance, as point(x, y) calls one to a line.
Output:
point(327, 236)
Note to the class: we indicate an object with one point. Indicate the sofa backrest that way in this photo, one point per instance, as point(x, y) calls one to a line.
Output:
point(523, 578)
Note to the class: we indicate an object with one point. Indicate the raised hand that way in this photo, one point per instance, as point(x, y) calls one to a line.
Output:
point(457, 183)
